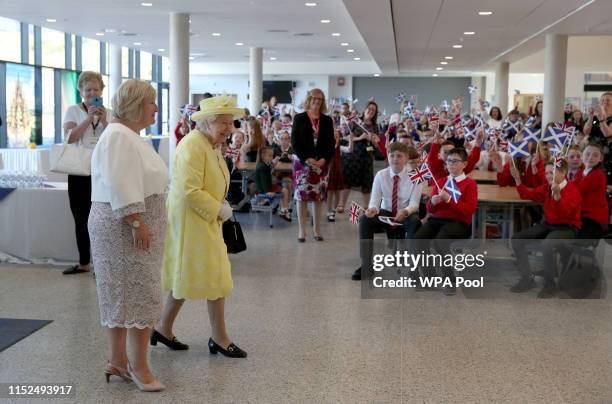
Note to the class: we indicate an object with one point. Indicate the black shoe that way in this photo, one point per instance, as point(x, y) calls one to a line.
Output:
point(318, 238)
point(548, 291)
point(232, 350)
point(523, 285)
point(450, 291)
point(356, 275)
point(302, 239)
point(74, 270)
point(173, 344)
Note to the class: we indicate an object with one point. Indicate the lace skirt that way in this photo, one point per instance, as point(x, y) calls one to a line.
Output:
point(128, 279)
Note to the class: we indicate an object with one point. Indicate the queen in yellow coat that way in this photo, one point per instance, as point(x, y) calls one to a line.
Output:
point(196, 265)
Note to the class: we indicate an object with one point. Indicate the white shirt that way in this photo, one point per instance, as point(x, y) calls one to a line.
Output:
point(587, 171)
point(76, 114)
point(125, 169)
point(408, 194)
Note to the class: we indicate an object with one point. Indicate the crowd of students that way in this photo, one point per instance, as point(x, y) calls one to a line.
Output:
point(572, 181)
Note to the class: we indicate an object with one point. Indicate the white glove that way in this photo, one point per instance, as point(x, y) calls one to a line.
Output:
point(226, 211)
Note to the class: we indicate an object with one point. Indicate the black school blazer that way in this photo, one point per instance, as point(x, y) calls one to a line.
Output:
point(302, 140)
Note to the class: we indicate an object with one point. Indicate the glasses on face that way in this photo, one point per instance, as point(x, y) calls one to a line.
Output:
point(453, 161)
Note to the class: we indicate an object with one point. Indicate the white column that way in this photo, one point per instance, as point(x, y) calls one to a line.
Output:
point(502, 72)
point(555, 61)
point(114, 78)
point(255, 80)
point(179, 71)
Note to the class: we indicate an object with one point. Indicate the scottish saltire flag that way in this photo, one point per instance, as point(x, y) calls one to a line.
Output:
point(531, 135)
point(400, 97)
point(354, 212)
point(472, 89)
point(420, 174)
point(509, 125)
point(530, 122)
point(556, 151)
point(468, 134)
point(519, 149)
point(444, 106)
point(555, 136)
point(451, 187)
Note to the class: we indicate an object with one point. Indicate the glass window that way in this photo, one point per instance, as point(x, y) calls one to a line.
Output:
point(73, 44)
point(105, 93)
point(125, 62)
point(70, 93)
point(53, 48)
point(146, 66)
point(165, 110)
point(48, 105)
point(31, 43)
point(165, 69)
point(10, 33)
point(91, 55)
point(20, 122)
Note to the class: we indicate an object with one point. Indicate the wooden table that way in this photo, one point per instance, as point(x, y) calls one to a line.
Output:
point(247, 169)
point(484, 177)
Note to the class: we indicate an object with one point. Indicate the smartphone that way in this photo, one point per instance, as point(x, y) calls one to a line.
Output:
point(96, 102)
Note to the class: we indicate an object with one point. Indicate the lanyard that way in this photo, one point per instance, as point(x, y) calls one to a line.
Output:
point(94, 126)
point(315, 124)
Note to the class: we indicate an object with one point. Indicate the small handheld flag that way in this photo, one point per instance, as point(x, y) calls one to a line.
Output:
point(354, 212)
point(451, 187)
point(421, 174)
point(519, 149)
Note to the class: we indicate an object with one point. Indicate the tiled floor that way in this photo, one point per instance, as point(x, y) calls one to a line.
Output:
point(311, 338)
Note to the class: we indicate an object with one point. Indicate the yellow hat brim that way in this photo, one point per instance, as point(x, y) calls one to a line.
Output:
point(235, 112)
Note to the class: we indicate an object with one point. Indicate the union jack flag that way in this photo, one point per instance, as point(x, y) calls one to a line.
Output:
point(558, 161)
point(493, 134)
point(503, 145)
point(354, 212)
point(286, 126)
point(421, 174)
point(187, 110)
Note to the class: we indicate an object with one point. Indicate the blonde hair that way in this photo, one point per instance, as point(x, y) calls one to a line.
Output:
point(308, 100)
point(128, 101)
point(87, 76)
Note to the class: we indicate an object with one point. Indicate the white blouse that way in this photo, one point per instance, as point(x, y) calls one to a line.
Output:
point(76, 114)
point(125, 169)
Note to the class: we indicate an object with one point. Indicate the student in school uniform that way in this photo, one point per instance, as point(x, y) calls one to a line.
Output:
point(574, 162)
point(530, 168)
point(447, 219)
point(562, 202)
point(591, 182)
point(265, 185)
point(438, 153)
point(393, 195)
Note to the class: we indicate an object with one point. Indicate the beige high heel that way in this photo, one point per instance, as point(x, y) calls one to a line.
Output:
point(112, 370)
point(153, 386)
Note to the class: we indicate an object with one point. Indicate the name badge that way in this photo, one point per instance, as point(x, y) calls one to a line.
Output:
point(370, 148)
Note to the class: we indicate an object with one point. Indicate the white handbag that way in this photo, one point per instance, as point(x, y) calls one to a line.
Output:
point(70, 159)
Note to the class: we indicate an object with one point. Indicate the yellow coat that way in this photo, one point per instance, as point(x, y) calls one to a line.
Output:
point(196, 265)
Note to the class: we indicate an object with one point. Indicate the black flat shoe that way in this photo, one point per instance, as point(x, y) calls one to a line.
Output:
point(356, 276)
point(232, 350)
point(302, 239)
point(173, 344)
point(318, 238)
point(74, 270)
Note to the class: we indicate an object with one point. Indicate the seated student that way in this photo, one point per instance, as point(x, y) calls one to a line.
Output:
point(574, 162)
point(394, 195)
point(513, 117)
point(492, 159)
point(561, 200)
point(438, 154)
point(283, 150)
point(265, 187)
point(531, 169)
point(591, 182)
point(447, 219)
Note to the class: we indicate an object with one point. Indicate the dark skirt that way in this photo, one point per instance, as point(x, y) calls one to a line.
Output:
point(310, 184)
point(336, 179)
point(358, 168)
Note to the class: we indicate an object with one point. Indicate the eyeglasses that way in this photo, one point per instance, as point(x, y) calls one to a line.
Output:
point(453, 161)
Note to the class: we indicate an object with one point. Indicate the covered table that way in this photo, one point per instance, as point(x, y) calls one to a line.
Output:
point(36, 160)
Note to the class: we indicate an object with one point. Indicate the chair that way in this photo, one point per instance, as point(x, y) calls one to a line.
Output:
point(270, 207)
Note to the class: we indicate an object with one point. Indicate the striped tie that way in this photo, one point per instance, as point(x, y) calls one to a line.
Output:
point(394, 196)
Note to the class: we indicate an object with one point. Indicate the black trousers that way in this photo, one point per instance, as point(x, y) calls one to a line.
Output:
point(79, 194)
point(591, 229)
point(369, 226)
point(437, 233)
point(553, 235)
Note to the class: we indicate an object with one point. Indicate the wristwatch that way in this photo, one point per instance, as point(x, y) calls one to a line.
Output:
point(136, 224)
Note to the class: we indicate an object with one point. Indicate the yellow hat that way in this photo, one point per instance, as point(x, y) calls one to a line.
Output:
point(219, 105)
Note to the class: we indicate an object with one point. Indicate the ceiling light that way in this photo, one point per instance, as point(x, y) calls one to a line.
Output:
point(137, 43)
point(161, 50)
point(356, 58)
point(344, 44)
point(51, 20)
point(469, 33)
point(216, 34)
point(325, 21)
point(443, 63)
point(110, 30)
point(239, 43)
point(272, 58)
point(439, 68)
point(310, 4)
point(336, 34)
point(146, 4)
point(350, 50)
point(190, 21)
point(99, 33)
point(457, 46)
point(485, 12)
point(448, 57)
point(191, 57)
point(376, 74)
point(434, 75)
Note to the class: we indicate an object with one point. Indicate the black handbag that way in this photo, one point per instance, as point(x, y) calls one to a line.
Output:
point(233, 237)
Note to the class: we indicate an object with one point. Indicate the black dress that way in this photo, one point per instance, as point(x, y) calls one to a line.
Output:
point(358, 166)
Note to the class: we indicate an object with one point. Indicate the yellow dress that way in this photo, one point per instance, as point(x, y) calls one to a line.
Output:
point(196, 265)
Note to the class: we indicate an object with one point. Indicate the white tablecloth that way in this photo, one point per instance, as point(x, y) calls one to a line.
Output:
point(30, 160)
point(36, 225)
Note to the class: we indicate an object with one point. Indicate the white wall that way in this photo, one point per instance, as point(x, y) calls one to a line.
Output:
point(336, 91)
